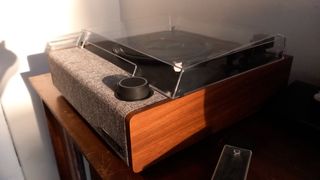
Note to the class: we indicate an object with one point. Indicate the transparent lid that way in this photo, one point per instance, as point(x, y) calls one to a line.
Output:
point(177, 53)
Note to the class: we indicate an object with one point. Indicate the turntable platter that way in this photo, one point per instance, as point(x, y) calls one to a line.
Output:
point(178, 46)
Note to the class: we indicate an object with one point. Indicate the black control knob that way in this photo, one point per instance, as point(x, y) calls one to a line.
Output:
point(133, 88)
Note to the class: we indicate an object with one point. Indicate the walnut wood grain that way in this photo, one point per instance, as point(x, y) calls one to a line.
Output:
point(156, 131)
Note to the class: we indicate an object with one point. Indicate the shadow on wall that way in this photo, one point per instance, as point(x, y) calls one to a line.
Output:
point(38, 64)
point(8, 65)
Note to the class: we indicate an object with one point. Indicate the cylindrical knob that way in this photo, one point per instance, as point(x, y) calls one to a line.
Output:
point(133, 88)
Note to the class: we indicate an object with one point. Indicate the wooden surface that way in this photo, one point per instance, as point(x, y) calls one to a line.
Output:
point(66, 167)
point(104, 161)
point(159, 130)
point(281, 148)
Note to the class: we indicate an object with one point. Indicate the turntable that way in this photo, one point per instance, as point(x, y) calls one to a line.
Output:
point(199, 84)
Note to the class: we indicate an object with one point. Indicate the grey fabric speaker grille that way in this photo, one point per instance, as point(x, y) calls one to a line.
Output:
point(87, 81)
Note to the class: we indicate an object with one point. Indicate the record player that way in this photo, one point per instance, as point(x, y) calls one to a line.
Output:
point(198, 84)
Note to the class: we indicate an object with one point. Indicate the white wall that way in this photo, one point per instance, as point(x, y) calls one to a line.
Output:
point(9, 167)
point(298, 20)
point(26, 26)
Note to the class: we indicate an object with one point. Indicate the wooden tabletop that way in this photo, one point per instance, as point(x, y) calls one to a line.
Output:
point(281, 149)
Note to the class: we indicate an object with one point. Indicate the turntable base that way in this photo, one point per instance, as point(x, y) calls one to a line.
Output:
point(156, 131)
point(143, 132)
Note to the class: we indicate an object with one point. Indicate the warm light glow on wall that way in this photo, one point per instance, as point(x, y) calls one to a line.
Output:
point(27, 25)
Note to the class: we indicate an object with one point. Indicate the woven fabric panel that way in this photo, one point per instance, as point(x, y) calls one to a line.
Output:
point(88, 81)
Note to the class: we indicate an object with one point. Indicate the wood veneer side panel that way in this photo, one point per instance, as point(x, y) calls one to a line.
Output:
point(233, 100)
point(164, 118)
point(157, 130)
